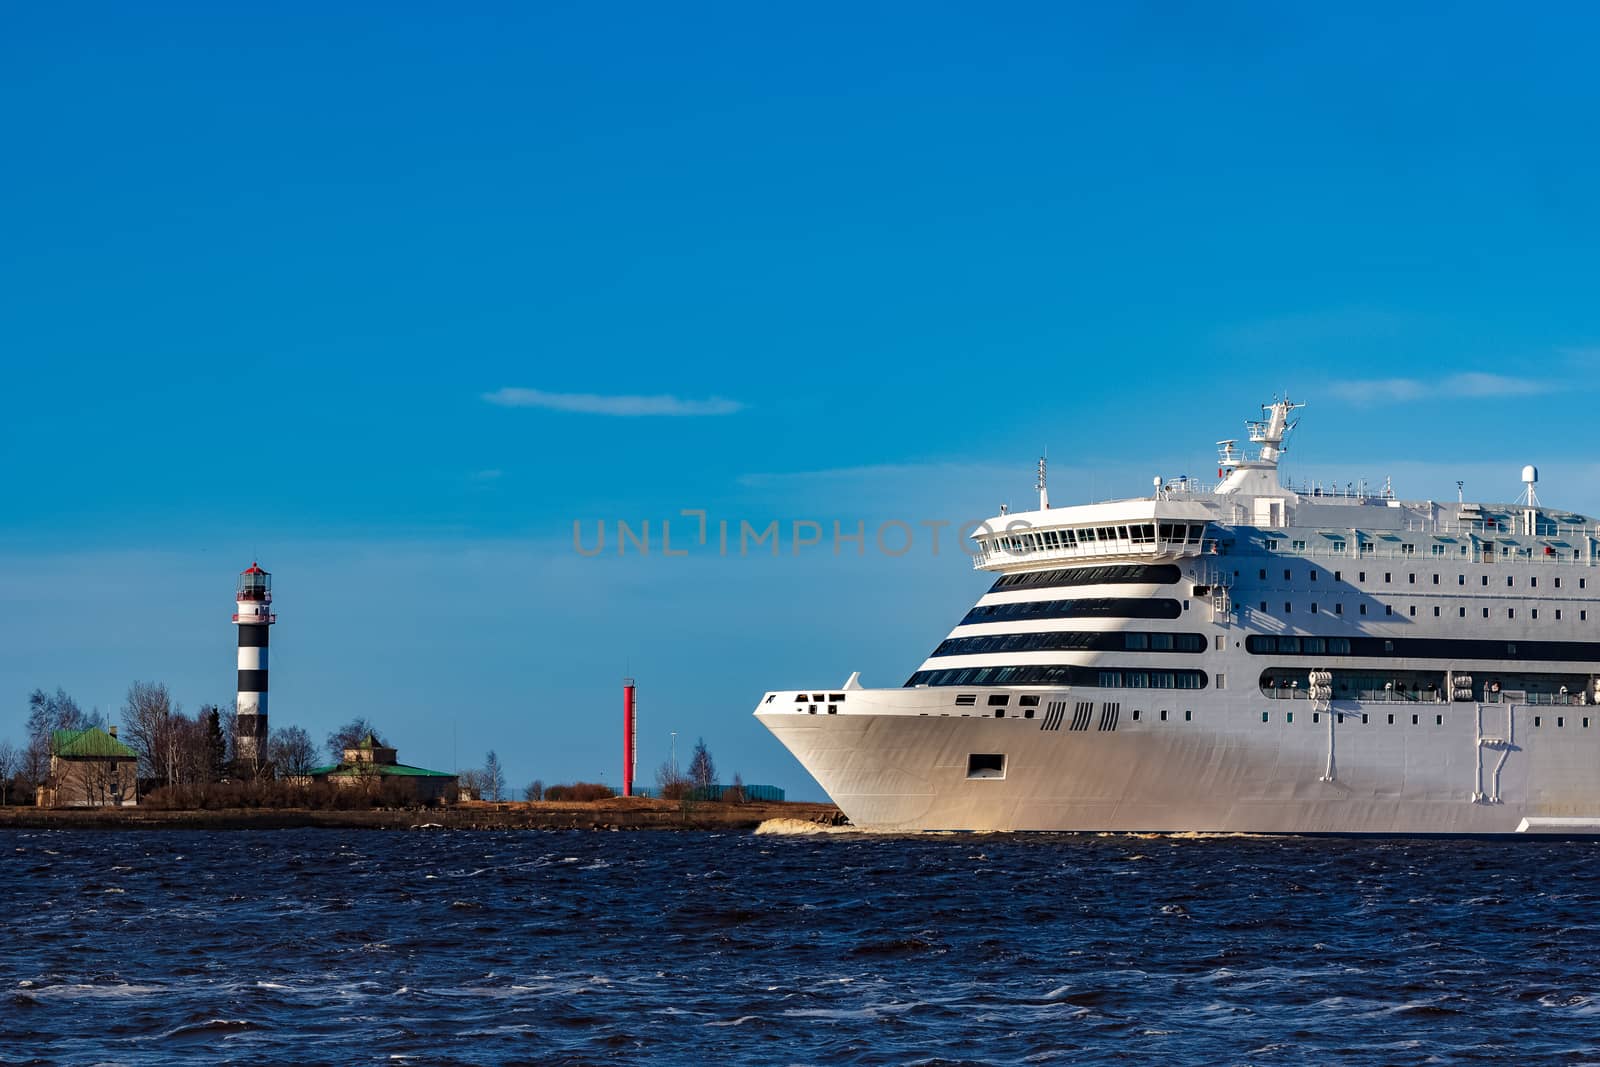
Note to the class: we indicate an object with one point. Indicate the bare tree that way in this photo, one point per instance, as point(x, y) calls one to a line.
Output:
point(349, 736)
point(10, 762)
point(494, 776)
point(150, 728)
point(472, 782)
point(100, 781)
point(702, 771)
point(671, 782)
point(48, 713)
point(535, 791)
point(291, 750)
point(735, 793)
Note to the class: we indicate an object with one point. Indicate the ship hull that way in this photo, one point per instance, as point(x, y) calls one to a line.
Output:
point(1222, 771)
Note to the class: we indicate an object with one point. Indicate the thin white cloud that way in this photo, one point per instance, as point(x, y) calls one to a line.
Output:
point(1470, 385)
point(596, 404)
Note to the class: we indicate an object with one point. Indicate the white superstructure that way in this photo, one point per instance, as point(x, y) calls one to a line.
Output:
point(1242, 657)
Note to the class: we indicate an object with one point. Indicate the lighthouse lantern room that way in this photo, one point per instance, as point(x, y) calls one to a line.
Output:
point(253, 617)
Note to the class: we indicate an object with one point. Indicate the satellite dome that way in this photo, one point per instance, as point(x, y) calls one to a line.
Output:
point(1530, 473)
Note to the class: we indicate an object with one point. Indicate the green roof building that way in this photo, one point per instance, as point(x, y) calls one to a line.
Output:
point(90, 769)
point(371, 764)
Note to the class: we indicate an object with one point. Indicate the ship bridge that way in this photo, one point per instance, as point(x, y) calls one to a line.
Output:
point(1139, 529)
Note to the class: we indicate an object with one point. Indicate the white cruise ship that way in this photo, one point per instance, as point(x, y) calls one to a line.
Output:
point(1243, 657)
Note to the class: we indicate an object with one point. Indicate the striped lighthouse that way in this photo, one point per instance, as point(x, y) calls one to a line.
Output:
point(254, 617)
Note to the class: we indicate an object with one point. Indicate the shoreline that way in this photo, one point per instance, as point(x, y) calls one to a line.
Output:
point(615, 813)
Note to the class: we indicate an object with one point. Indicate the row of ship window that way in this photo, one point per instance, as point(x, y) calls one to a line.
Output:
point(1073, 641)
point(1411, 578)
point(1060, 674)
point(1459, 649)
point(1028, 704)
point(1388, 609)
point(1087, 607)
point(1133, 534)
point(1416, 720)
point(1114, 574)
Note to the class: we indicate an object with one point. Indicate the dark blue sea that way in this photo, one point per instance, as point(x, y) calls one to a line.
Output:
point(322, 946)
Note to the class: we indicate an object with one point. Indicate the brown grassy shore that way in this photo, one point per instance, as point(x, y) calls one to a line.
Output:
point(616, 813)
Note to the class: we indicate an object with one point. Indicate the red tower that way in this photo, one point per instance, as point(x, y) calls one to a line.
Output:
point(630, 735)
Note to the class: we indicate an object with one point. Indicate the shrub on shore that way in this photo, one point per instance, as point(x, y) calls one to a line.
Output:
point(265, 793)
point(579, 791)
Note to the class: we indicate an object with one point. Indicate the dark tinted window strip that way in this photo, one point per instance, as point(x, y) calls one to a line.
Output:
point(1089, 607)
point(1120, 574)
point(1424, 648)
point(1073, 641)
point(1045, 674)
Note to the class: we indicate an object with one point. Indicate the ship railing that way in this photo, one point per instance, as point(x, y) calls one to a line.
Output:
point(1521, 554)
point(1386, 696)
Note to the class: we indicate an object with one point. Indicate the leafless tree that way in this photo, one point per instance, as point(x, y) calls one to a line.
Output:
point(100, 781)
point(671, 782)
point(472, 782)
point(735, 793)
point(150, 728)
point(48, 713)
point(349, 736)
point(702, 771)
point(291, 751)
point(494, 776)
point(10, 763)
point(535, 791)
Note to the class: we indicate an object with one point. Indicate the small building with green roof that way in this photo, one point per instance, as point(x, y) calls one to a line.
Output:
point(371, 764)
point(90, 768)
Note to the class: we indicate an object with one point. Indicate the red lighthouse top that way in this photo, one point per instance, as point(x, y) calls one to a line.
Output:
point(255, 584)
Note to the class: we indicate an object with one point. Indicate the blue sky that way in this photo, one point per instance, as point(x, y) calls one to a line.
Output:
point(376, 297)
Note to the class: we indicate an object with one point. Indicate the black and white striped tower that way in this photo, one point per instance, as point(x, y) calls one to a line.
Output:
point(254, 618)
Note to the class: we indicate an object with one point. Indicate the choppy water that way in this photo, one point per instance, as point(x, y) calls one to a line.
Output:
point(432, 947)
